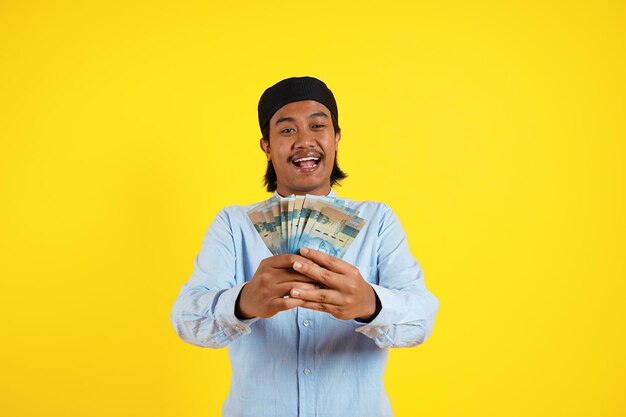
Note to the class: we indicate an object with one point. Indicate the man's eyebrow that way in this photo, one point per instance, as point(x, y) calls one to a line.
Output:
point(291, 119)
point(317, 114)
point(283, 119)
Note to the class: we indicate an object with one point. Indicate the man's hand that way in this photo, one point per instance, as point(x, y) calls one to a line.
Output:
point(346, 295)
point(264, 295)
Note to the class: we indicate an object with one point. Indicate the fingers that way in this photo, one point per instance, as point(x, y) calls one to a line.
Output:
point(290, 275)
point(306, 285)
point(285, 288)
point(328, 301)
point(271, 272)
point(284, 261)
point(318, 296)
point(281, 304)
point(331, 309)
point(327, 261)
point(317, 273)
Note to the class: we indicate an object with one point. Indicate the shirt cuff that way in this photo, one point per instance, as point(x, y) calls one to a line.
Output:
point(381, 328)
point(224, 312)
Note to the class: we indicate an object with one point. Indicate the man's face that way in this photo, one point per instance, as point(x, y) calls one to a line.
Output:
point(302, 148)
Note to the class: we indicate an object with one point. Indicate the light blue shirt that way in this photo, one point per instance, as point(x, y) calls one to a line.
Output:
point(302, 362)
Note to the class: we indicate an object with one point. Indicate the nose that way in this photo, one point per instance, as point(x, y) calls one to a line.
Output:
point(304, 139)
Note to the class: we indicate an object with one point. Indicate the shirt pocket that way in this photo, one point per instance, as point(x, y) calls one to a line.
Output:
point(369, 274)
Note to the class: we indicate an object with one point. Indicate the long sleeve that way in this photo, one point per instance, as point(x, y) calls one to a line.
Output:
point(408, 309)
point(290, 364)
point(204, 311)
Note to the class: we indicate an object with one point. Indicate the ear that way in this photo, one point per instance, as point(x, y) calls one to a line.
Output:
point(265, 146)
point(337, 139)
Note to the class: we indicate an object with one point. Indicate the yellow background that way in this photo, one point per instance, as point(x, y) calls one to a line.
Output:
point(495, 130)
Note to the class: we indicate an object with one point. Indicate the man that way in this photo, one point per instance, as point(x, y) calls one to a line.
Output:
point(308, 334)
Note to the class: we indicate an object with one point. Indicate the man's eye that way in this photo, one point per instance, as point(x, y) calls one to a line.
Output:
point(288, 130)
point(319, 126)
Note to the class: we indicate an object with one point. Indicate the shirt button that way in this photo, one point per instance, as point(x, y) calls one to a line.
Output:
point(306, 323)
point(306, 371)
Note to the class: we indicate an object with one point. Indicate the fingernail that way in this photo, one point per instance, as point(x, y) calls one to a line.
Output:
point(295, 293)
point(304, 251)
point(297, 265)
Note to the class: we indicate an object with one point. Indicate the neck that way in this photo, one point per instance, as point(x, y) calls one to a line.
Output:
point(322, 191)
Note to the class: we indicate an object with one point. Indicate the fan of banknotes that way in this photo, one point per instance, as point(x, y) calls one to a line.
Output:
point(306, 221)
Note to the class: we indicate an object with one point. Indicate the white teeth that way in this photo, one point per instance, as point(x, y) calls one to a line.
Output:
point(309, 158)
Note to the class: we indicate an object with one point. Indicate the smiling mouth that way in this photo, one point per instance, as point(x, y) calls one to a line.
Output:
point(307, 163)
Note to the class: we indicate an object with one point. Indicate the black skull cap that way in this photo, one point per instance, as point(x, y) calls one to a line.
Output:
point(295, 89)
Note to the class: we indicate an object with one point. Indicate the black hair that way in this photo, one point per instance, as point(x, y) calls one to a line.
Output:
point(270, 179)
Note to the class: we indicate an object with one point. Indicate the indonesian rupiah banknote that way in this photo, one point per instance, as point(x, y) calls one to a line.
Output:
point(322, 223)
